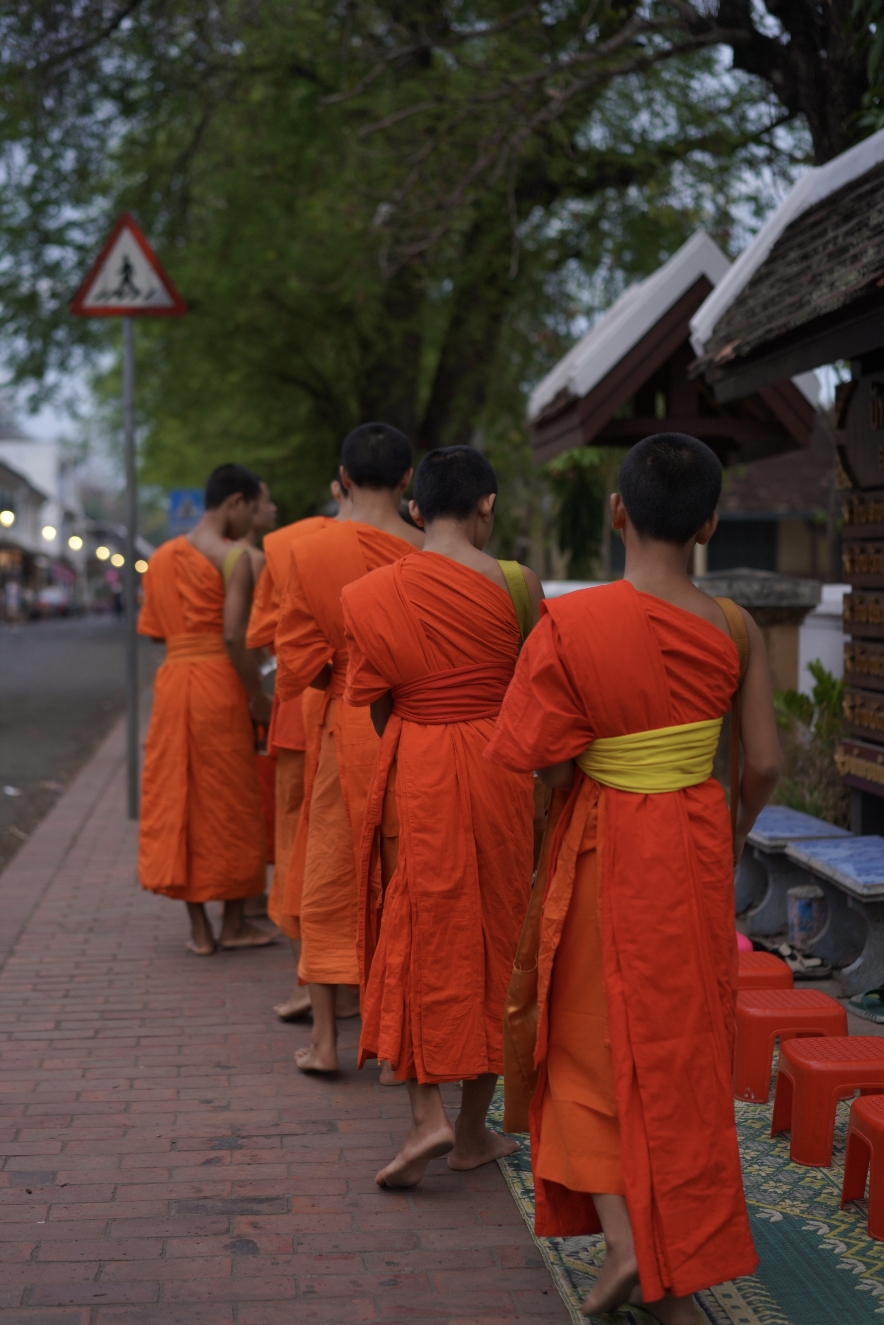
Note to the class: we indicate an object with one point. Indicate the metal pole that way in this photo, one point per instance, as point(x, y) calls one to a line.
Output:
point(129, 573)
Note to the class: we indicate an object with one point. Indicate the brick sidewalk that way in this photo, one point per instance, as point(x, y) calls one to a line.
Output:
point(165, 1162)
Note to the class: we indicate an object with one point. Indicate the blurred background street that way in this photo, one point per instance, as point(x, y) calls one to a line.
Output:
point(61, 690)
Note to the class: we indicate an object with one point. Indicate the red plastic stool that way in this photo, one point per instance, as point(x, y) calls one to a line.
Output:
point(765, 1014)
point(865, 1144)
point(813, 1076)
point(762, 970)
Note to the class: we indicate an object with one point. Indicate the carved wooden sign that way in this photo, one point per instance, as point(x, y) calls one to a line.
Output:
point(860, 413)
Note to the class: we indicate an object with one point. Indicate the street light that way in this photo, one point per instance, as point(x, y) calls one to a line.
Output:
point(141, 566)
point(48, 531)
point(118, 560)
point(75, 542)
point(102, 553)
point(7, 519)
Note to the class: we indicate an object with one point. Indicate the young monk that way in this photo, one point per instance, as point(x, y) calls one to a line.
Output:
point(202, 835)
point(263, 523)
point(287, 738)
point(321, 888)
point(433, 641)
point(618, 699)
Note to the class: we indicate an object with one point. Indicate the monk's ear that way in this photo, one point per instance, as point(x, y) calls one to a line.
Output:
point(405, 480)
point(707, 529)
point(618, 511)
point(486, 505)
point(415, 514)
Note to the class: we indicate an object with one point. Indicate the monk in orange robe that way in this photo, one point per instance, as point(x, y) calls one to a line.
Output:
point(202, 835)
point(342, 748)
point(287, 738)
point(632, 1121)
point(433, 641)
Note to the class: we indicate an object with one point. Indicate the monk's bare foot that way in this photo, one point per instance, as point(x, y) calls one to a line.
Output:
point(203, 947)
point(494, 1145)
point(246, 936)
point(618, 1279)
point(410, 1164)
point(296, 1007)
point(346, 1002)
point(314, 1059)
point(388, 1076)
point(256, 906)
point(671, 1310)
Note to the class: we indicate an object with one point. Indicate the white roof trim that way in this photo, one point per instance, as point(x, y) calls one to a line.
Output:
point(628, 320)
point(817, 184)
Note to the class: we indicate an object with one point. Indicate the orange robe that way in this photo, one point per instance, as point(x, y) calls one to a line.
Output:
point(342, 748)
point(452, 913)
point(636, 969)
point(202, 832)
point(287, 738)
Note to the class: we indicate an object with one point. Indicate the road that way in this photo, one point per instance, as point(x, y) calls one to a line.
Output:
point(61, 689)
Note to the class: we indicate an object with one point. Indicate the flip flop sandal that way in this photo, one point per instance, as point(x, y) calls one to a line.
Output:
point(802, 967)
point(869, 1005)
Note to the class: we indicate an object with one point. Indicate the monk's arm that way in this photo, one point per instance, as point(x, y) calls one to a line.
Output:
point(762, 755)
point(535, 592)
point(380, 710)
point(558, 775)
point(247, 662)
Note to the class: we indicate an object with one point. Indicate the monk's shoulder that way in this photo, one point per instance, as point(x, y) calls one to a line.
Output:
point(162, 560)
point(376, 585)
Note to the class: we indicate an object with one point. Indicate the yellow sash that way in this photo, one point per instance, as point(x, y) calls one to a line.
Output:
point(665, 759)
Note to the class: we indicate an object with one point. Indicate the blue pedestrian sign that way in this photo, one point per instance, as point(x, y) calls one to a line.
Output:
point(185, 509)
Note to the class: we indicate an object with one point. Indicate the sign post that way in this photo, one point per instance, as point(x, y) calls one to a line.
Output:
point(127, 281)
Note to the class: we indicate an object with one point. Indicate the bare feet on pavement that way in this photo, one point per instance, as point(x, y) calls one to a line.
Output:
point(204, 948)
point(469, 1155)
point(245, 936)
point(296, 1006)
point(618, 1279)
point(313, 1059)
point(202, 939)
point(420, 1147)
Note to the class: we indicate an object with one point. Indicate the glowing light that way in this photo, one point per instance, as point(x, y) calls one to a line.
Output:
point(141, 567)
point(48, 531)
point(75, 542)
point(7, 519)
point(118, 560)
point(102, 553)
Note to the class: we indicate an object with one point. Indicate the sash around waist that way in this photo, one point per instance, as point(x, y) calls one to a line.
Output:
point(462, 694)
point(664, 759)
point(190, 648)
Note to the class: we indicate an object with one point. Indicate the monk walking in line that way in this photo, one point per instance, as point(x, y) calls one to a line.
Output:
point(287, 738)
point(618, 700)
point(202, 835)
point(376, 469)
point(433, 641)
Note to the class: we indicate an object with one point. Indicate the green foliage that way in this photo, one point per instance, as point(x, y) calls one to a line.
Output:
point(580, 481)
point(809, 727)
point(372, 210)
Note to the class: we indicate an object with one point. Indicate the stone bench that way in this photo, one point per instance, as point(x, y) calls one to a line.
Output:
point(766, 874)
point(850, 871)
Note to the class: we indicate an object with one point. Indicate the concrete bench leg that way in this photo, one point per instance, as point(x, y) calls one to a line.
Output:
point(750, 885)
point(770, 915)
point(844, 934)
point(867, 972)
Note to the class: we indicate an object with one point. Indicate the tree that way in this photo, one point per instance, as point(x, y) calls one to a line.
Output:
point(373, 209)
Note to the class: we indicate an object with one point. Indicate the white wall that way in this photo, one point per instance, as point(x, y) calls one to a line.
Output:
point(821, 637)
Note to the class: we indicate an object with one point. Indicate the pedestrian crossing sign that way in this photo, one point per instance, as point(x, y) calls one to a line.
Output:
point(127, 279)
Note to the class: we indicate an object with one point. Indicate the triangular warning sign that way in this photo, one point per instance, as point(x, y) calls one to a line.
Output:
point(127, 279)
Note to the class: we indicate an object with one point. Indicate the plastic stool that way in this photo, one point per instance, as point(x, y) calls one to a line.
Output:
point(865, 1145)
point(813, 1076)
point(765, 1014)
point(762, 970)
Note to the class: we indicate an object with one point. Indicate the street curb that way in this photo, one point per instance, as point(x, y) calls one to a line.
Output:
point(34, 867)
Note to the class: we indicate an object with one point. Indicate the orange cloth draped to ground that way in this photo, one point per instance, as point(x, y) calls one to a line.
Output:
point(452, 913)
point(202, 832)
point(642, 884)
point(342, 745)
point(287, 732)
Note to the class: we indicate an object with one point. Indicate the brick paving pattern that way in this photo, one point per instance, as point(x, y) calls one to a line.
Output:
point(164, 1162)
